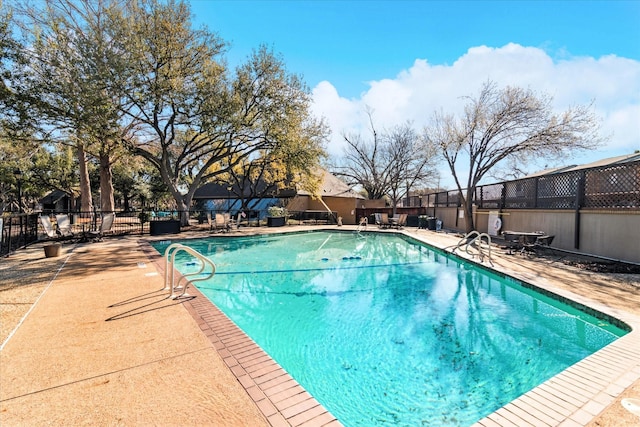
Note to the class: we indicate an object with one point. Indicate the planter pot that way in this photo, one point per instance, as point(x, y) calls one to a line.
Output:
point(275, 221)
point(171, 226)
point(52, 251)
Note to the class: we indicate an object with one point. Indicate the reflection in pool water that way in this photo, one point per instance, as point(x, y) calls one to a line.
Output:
point(383, 330)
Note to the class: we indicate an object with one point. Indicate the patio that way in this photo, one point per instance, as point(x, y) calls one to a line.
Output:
point(156, 361)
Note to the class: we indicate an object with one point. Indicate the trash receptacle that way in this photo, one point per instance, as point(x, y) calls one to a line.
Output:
point(422, 222)
point(431, 223)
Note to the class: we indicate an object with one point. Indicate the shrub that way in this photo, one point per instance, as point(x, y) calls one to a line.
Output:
point(276, 211)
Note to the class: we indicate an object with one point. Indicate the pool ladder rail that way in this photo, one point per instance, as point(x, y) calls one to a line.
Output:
point(169, 260)
point(362, 225)
point(474, 240)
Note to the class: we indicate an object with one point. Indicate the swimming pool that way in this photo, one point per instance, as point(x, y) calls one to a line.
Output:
point(383, 330)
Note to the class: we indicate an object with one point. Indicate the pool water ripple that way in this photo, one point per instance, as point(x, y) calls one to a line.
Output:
point(404, 335)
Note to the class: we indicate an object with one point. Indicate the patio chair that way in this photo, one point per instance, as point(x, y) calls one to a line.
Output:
point(105, 226)
point(528, 243)
point(210, 221)
point(378, 218)
point(221, 223)
point(401, 221)
point(64, 226)
point(48, 227)
point(544, 242)
point(231, 223)
point(511, 242)
point(51, 231)
point(384, 221)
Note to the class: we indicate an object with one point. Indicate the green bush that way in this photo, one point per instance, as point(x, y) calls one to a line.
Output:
point(276, 211)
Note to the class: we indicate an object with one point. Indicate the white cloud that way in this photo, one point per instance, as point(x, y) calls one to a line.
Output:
point(612, 82)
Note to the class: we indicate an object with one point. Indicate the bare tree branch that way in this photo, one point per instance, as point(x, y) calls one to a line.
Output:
point(508, 127)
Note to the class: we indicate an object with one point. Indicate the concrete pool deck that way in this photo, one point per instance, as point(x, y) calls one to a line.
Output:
point(102, 345)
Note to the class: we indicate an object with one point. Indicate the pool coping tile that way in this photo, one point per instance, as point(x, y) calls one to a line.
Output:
point(280, 398)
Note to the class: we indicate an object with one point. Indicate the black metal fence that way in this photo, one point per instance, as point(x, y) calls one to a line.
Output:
point(16, 231)
point(20, 230)
point(615, 187)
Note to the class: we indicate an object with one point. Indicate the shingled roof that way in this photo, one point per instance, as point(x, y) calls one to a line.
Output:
point(332, 186)
point(602, 162)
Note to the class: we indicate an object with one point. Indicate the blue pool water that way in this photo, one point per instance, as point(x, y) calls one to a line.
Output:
point(383, 330)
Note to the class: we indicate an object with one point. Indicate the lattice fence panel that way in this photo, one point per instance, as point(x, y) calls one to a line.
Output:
point(615, 186)
point(520, 194)
point(489, 196)
point(448, 199)
point(441, 199)
point(454, 198)
point(558, 191)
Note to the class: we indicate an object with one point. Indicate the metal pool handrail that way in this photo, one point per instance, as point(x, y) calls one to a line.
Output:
point(467, 241)
point(169, 260)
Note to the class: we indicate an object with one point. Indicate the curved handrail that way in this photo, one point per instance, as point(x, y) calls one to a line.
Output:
point(467, 241)
point(170, 256)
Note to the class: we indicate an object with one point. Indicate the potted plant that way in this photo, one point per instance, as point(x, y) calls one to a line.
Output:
point(52, 250)
point(143, 216)
point(277, 216)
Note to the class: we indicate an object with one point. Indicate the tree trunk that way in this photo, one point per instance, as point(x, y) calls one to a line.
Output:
point(183, 208)
point(107, 203)
point(468, 212)
point(86, 201)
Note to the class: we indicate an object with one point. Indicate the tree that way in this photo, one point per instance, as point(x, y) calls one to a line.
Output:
point(129, 181)
point(194, 122)
point(389, 164)
point(56, 168)
point(509, 126)
point(412, 162)
point(16, 146)
point(291, 164)
point(71, 81)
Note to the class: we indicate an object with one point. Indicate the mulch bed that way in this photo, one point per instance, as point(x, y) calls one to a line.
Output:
point(604, 267)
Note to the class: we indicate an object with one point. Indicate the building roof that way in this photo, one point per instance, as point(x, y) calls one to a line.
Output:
point(53, 197)
point(214, 190)
point(609, 161)
point(331, 187)
point(602, 162)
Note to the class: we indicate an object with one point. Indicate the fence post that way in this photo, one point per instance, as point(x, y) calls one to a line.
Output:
point(579, 201)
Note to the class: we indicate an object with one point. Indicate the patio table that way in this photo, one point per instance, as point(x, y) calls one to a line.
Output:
point(521, 240)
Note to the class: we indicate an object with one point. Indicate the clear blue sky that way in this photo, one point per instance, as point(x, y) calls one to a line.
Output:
point(403, 60)
point(352, 42)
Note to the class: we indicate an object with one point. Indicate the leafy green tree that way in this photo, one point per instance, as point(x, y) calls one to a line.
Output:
point(14, 154)
point(13, 62)
point(507, 127)
point(74, 61)
point(55, 168)
point(129, 180)
point(194, 121)
point(290, 165)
